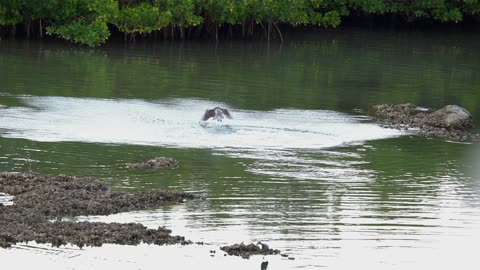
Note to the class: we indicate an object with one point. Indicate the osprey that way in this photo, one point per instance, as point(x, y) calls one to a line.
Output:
point(217, 113)
point(264, 247)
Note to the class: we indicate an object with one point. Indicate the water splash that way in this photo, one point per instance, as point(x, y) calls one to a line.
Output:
point(176, 123)
point(6, 199)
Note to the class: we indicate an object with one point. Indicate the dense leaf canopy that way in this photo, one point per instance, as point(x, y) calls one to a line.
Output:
point(90, 21)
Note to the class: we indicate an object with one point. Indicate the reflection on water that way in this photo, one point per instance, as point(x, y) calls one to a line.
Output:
point(138, 257)
point(299, 166)
point(339, 70)
point(336, 207)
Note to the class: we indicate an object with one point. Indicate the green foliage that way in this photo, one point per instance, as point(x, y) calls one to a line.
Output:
point(143, 18)
point(441, 10)
point(88, 21)
point(83, 21)
point(471, 6)
point(327, 13)
point(10, 12)
point(182, 12)
point(83, 32)
point(219, 11)
point(370, 6)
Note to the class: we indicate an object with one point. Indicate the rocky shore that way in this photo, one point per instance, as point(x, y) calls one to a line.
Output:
point(245, 251)
point(155, 163)
point(40, 202)
point(451, 122)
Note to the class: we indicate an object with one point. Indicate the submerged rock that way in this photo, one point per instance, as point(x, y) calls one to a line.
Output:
point(245, 251)
point(39, 199)
point(156, 163)
point(452, 121)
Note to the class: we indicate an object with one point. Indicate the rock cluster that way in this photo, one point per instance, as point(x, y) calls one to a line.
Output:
point(156, 163)
point(452, 121)
point(245, 251)
point(41, 202)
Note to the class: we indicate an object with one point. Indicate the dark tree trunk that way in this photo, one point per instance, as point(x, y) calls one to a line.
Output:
point(279, 32)
point(40, 27)
point(27, 27)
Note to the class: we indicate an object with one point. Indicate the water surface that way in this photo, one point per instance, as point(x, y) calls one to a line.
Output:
point(301, 166)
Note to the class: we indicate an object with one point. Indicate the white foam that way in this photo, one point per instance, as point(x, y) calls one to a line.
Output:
point(6, 199)
point(176, 123)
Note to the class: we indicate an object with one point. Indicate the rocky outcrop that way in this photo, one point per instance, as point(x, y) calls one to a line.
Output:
point(156, 163)
point(39, 199)
point(450, 117)
point(245, 251)
point(452, 121)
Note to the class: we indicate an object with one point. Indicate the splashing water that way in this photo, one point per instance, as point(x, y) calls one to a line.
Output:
point(177, 123)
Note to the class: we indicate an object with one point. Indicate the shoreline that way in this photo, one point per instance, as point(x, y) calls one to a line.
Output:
point(34, 207)
point(450, 122)
point(41, 201)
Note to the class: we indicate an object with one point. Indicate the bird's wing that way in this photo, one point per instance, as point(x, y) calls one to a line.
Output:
point(208, 114)
point(226, 112)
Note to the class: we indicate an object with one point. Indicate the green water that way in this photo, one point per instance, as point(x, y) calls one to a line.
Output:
point(339, 71)
point(376, 201)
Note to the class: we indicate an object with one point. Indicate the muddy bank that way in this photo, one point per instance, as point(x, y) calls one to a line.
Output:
point(40, 199)
point(156, 163)
point(245, 251)
point(451, 122)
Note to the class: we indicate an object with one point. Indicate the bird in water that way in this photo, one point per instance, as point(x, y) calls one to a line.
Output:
point(263, 247)
point(216, 113)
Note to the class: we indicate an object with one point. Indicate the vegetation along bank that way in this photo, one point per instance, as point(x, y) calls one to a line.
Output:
point(91, 22)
